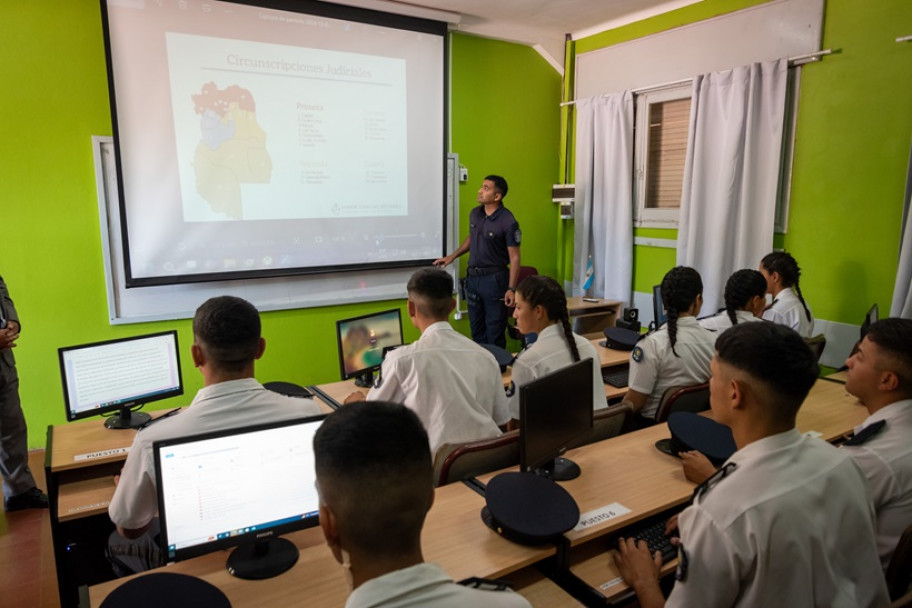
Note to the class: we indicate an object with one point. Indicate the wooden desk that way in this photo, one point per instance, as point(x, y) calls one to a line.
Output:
point(838, 377)
point(593, 317)
point(81, 459)
point(453, 537)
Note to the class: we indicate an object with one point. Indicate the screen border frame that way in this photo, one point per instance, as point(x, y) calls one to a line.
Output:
point(136, 404)
point(230, 541)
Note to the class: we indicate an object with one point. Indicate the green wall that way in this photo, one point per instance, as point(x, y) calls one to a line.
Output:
point(55, 98)
point(852, 150)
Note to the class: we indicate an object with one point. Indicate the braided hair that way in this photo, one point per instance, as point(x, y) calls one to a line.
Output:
point(789, 272)
point(543, 291)
point(741, 287)
point(680, 289)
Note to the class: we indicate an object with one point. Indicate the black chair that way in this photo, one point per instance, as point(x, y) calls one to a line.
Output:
point(899, 571)
point(693, 398)
point(457, 461)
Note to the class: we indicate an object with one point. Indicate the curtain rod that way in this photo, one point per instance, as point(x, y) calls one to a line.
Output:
point(793, 61)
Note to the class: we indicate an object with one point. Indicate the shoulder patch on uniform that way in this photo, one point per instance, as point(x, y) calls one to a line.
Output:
point(867, 433)
point(511, 389)
point(637, 354)
point(517, 236)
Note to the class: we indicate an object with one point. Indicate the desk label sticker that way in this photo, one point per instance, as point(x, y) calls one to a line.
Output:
point(100, 454)
point(600, 515)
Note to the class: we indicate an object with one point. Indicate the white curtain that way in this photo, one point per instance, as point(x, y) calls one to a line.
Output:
point(731, 173)
point(603, 227)
point(902, 290)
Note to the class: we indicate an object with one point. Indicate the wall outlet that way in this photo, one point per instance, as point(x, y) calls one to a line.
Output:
point(463, 174)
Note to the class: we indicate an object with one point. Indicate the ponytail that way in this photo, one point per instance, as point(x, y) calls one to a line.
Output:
point(783, 263)
point(740, 288)
point(539, 290)
point(680, 289)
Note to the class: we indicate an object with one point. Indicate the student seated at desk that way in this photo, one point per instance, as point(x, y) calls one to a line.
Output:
point(781, 272)
point(880, 375)
point(745, 300)
point(226, 342)
point(678, 353)
point(787, 520)
point(453, 384)
point(541, 308)
point(375, 481)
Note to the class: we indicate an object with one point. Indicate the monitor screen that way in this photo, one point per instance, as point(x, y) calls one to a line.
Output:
point(658, 307)
point(238, 488)
point(870, 318)
point(120, 375)
point(554, 411)
point(362, 341)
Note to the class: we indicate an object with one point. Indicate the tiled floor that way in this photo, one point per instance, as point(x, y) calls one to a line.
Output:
point(28, 577)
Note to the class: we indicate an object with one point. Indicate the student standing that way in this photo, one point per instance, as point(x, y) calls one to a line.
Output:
point(679, 352)
point(788, 308)
point(541, 308)
point(787, 520)
point(494, 259)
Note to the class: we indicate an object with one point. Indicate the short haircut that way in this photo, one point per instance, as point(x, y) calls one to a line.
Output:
point(373, 466)
point(500, 184)
point(893, 337)
point(431, 289)
point(228, 330)
point(777, 357)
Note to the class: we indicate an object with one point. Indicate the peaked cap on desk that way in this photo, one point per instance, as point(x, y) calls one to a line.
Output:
point(691, 431)
point(528, 509)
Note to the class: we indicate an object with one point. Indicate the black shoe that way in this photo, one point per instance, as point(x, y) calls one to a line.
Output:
point(30, 499)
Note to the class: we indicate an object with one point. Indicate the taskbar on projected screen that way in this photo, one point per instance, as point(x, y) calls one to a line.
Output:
point(176, 277)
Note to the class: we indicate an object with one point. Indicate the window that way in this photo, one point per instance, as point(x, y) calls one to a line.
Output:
point(661, 127)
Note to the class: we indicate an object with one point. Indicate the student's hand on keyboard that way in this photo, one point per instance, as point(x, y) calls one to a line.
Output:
point(636, 565)
point(697, 467)
point(671, 527)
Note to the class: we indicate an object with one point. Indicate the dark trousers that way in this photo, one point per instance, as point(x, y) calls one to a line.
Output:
point(14, 469)
point(487, 311)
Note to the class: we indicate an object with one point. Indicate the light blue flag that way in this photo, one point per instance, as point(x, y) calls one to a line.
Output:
point(590, 274)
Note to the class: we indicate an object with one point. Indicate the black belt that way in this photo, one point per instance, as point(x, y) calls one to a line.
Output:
point(480, 271)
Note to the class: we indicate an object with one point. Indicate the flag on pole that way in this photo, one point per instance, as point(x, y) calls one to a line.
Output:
point(590, 274)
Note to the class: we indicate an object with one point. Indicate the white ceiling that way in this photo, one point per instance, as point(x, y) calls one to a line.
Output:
point(542, 24)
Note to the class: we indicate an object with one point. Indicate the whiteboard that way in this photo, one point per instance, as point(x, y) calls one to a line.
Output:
point(165, 302)
point(775, 30)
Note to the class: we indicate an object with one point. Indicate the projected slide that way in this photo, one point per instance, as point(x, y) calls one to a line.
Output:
point(234, 101)
point(257, 142)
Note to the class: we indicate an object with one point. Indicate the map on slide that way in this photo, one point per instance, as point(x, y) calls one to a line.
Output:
point(232, 147)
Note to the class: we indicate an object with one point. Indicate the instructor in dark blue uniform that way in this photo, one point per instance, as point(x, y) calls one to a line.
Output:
point(493, 246)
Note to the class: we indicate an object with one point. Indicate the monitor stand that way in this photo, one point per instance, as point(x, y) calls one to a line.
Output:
point(560, 469)
point(262, 559)
point(365, 380)
point(127, 419)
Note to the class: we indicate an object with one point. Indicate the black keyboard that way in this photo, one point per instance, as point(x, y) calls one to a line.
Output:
point(617, 378)
point(654, 535)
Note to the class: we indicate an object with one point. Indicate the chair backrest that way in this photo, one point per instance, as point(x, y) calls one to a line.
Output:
point(691, 398)
point(903, 602)
point(457, 461)
point(899, 571)
point(817, 344)
point(607, 423)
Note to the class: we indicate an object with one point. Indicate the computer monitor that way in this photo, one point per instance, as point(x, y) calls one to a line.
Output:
point(362, 341)
point(554, 411)
point(658, 308)
point(238, 488)
point(120, 376)
point(870, 318)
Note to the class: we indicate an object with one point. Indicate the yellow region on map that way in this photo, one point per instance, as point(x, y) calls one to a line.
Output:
point(232, 147)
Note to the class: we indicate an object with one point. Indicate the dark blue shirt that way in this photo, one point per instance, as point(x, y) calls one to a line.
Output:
point(490, 235)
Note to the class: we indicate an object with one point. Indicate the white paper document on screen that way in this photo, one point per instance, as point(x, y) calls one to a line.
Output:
point(233, 102)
